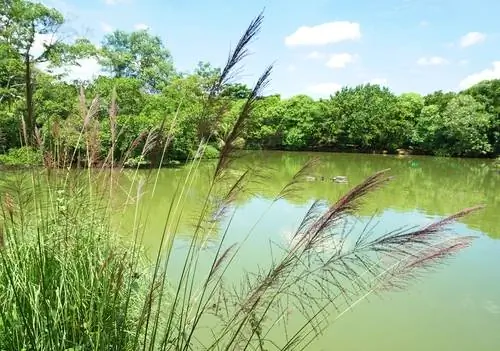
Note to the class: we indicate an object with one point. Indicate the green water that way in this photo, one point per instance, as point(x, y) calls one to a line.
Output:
point(455, 308)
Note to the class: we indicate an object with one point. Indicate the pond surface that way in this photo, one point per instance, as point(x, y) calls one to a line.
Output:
point(455, 308)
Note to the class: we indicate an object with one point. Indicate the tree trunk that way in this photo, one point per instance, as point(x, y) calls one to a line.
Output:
point(30, 118)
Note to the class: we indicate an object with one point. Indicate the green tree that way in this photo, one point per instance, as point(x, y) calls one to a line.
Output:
point(364, 117)
point(409, 106)
point(439, 98)
point(129, 98)
point(488, 93)
point(183, 99)
point(22, 23)
point(466, 124)
point(53, 98)
point(138, 55)
point(301, 117)
point(265, 128)
point(408, 109)
point(11, 75)
point(31, 30)
point(428, 127)
point(237, 91)
point(207, 75)
point(11, 97)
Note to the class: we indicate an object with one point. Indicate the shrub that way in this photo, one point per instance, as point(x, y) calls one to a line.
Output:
point(137, 161)
point(24, 156)
point(210, 152)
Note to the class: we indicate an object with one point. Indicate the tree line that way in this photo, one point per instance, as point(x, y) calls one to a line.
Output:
point(142, 90)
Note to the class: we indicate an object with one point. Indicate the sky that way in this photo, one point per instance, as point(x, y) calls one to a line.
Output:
point(316, 46)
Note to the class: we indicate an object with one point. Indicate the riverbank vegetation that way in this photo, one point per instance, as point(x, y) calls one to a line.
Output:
point(141, 88)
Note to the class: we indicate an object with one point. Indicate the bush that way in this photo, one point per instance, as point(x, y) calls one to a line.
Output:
point(210, 152)
point(137, 161)
point(24, 156)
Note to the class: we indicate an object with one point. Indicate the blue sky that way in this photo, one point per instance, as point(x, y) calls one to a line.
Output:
point(317, 45)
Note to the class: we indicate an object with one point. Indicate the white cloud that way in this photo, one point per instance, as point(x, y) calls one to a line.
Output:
point(432, 61)
point(324, 89)
point(86, 69)
point(291, 68)
point(141, 26)
point(40, 40)
point(377, 81)
point(106, 27)
point(326, 33)
point(487, 74)
point(315, 55)
point(340, 60)
point(472, 38)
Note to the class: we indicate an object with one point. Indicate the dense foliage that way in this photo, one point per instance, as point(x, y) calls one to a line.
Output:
point(144, 90)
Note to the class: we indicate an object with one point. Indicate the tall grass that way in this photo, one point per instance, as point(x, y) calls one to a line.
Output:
point(70, 282)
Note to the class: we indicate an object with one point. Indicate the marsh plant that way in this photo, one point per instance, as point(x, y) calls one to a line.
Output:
point(68, 281)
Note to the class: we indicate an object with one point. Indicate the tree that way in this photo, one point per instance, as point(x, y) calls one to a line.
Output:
point(466, 123)
point(439, 98)
point(207, 75)
point(184, 98)
point(301, 116)
point(409, 106)
point(23, 22)
point(488, 93)
point(365, 117)
point(408, 109)
point(237, 91)
point(129, 98)
point(53, 99)
point(137, 55)
point(265, 129)
point(428, 127)
point(11, 94)
point(11, 75)
point(31, 31)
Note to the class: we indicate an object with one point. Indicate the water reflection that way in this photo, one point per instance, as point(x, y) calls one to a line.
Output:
point(429, 185)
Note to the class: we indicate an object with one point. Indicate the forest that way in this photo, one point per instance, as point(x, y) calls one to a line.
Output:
point(141, 89)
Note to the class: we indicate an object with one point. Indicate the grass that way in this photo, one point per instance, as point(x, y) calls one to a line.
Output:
point(62, 272)
point(69, 282)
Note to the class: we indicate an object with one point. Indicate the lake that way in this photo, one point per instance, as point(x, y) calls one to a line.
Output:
point(455, 308)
